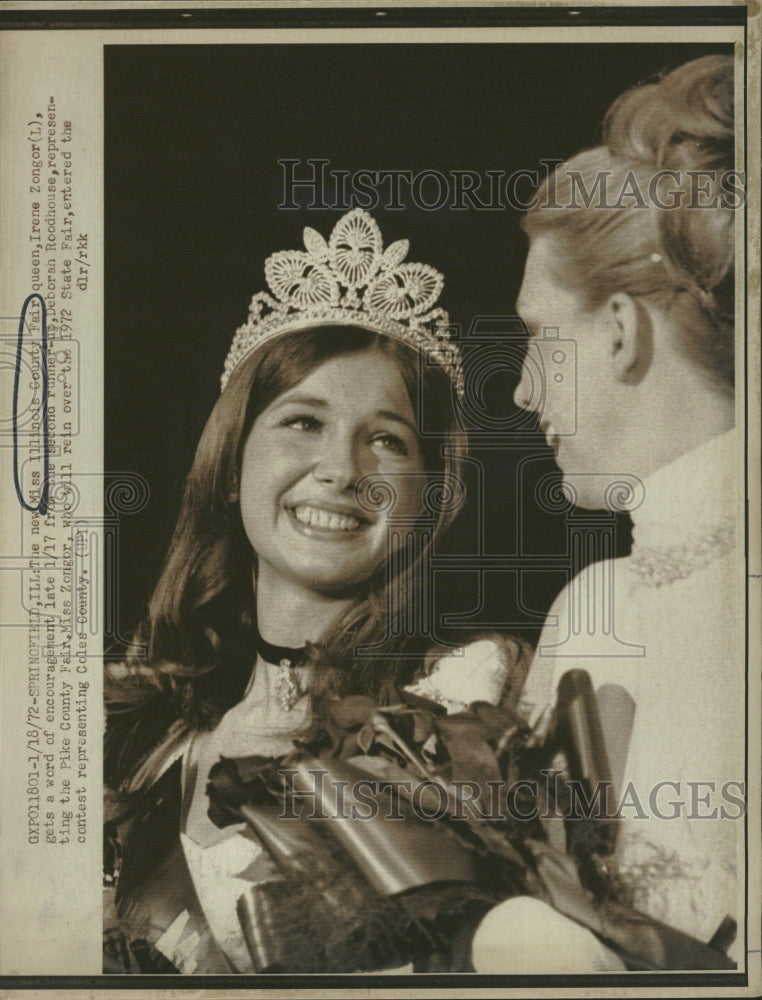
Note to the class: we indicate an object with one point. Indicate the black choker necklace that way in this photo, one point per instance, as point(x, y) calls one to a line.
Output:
point(277, 654)
point(288, 685)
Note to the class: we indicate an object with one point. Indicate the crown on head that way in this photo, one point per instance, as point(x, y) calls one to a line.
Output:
point(350, 281)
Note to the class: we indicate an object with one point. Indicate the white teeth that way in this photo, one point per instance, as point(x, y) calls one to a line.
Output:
point(315, 517)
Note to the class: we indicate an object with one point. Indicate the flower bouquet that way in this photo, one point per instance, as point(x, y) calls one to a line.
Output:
point(400, 827)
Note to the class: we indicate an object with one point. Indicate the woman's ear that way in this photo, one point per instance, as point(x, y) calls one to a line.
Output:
point(233, 494)
point(631, 338)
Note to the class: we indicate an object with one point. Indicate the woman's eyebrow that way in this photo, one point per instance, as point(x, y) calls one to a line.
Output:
point(288, 400)
point(320, 403)
point(398, 418)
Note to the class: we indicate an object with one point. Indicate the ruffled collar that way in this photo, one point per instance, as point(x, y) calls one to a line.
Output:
point(688, 518)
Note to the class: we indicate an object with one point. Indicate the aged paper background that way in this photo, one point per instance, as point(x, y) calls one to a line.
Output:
point(52, 612)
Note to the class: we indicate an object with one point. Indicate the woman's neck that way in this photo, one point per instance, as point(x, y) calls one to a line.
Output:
point(289, 614)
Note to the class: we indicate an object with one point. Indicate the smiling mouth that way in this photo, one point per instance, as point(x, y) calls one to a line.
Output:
point(327, 520)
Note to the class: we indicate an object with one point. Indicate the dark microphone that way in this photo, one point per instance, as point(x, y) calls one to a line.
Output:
point(579, 733)
point(616, 707)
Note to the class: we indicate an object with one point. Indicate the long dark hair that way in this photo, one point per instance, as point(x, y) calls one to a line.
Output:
point(190, 652)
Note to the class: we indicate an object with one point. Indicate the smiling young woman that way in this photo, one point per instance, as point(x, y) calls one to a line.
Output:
point(349, 419)
point(295, 564)
point(302, 423)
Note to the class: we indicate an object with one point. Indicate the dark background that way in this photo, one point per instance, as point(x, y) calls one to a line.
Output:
point(193, 134)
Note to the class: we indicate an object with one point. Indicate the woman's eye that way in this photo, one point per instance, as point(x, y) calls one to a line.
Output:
point(303, 422)
point(393, 443)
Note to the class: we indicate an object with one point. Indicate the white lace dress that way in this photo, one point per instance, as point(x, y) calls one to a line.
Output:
point(661, 634)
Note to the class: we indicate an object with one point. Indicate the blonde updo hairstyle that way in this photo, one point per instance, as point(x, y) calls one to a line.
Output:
point(667, 237)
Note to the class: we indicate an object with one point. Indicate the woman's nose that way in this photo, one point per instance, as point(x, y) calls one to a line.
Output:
point(523, 397)
point(338, 462)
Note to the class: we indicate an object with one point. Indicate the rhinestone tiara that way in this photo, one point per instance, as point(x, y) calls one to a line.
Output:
point(350, 280)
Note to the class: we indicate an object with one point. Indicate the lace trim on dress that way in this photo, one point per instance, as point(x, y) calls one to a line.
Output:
point(656, 566)
point(675, 884)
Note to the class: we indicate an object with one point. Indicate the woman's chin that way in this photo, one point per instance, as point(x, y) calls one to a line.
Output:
point(331, 582)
